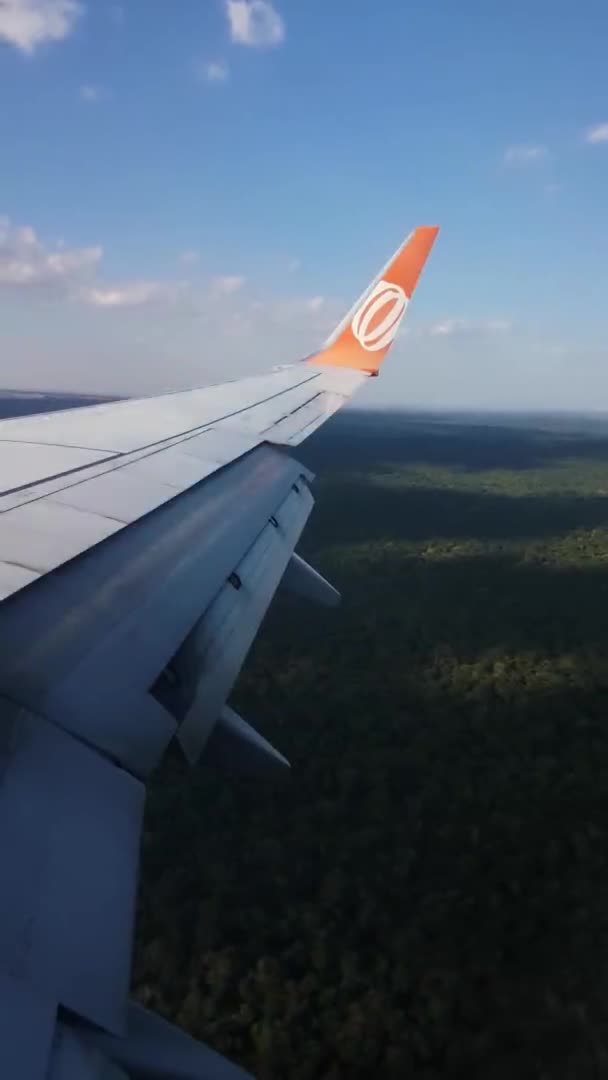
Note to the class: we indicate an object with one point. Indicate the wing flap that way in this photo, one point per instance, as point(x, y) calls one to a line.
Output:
point(235, 747)
point(85, 644)
point(69, 832)
point(207, 664)
point(154, 1048)
point(27, 1028)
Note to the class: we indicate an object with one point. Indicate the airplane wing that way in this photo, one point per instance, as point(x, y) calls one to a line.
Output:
point(141, 543)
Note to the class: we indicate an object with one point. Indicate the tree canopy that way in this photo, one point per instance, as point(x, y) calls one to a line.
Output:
point(427, 895)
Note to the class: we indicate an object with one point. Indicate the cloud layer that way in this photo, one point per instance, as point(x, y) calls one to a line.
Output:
point(452, 326)
point(131, 294)
point(26, 263)
point(92, 93)
point(228, 284)
point(213, 71)
point(597, 134)
point(255, 23)
point(525, 154)
point(146, 336)
point(28, 24)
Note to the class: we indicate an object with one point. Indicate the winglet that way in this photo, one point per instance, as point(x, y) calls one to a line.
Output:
point(363, 338)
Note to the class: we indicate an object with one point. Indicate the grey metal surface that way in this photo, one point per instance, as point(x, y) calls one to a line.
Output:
point(212, 655)
point(337, 386)
point(288, 428)
point(155, 1050)
point(70, 479)
point(222, 443)
point(13, 578)
point(110, 464)
point(105, 572)
point(76, 1057)
point(69, 836)
point(113, 618)
point(115, 494)
point(263, 417)
point(121, 525)
point(303, 579)
point(123, 426)
point(80, 650)
point(172, 466)
point(234, 746)
point(27, 1025)
point(42, 528)
point(176, 463)
point(26, 463)
point(134, 487)
point(130, 577)
point(83, 646)
point(44, 534)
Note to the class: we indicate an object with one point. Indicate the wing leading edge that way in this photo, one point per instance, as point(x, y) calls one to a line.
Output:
point(141, 543)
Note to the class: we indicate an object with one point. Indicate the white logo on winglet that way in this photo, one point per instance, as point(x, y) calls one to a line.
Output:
point(384, 295)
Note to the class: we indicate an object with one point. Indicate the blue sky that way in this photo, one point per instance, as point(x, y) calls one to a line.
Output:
point(194, 191)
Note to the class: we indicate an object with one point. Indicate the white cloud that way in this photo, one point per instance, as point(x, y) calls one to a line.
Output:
point(130, 294)
point(525, 154)
point(139, 335)
point(92, 93)
point(27, 24)
point(311, 318)
point(496, 326)
point(293, 266)
point(144, 337)
point(255, 23)
point(25, 262)
point(227, 285)
point(597, 134)
point(315, 303)
point(28, 265)
point(449, 327)
point(213, 71)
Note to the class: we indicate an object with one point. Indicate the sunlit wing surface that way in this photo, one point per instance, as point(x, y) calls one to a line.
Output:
point(141, 543)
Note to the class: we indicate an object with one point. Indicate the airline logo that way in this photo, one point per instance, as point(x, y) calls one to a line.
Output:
point(377, 320)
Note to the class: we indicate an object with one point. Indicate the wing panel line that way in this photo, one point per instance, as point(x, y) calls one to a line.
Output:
point(117, 455)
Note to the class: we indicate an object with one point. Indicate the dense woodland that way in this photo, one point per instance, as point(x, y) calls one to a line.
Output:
point(427, 894)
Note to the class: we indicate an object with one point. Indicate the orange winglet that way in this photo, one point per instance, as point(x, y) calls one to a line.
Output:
point(365, 335)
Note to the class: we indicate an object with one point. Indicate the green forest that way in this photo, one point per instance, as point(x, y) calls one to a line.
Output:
point(426, 895)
